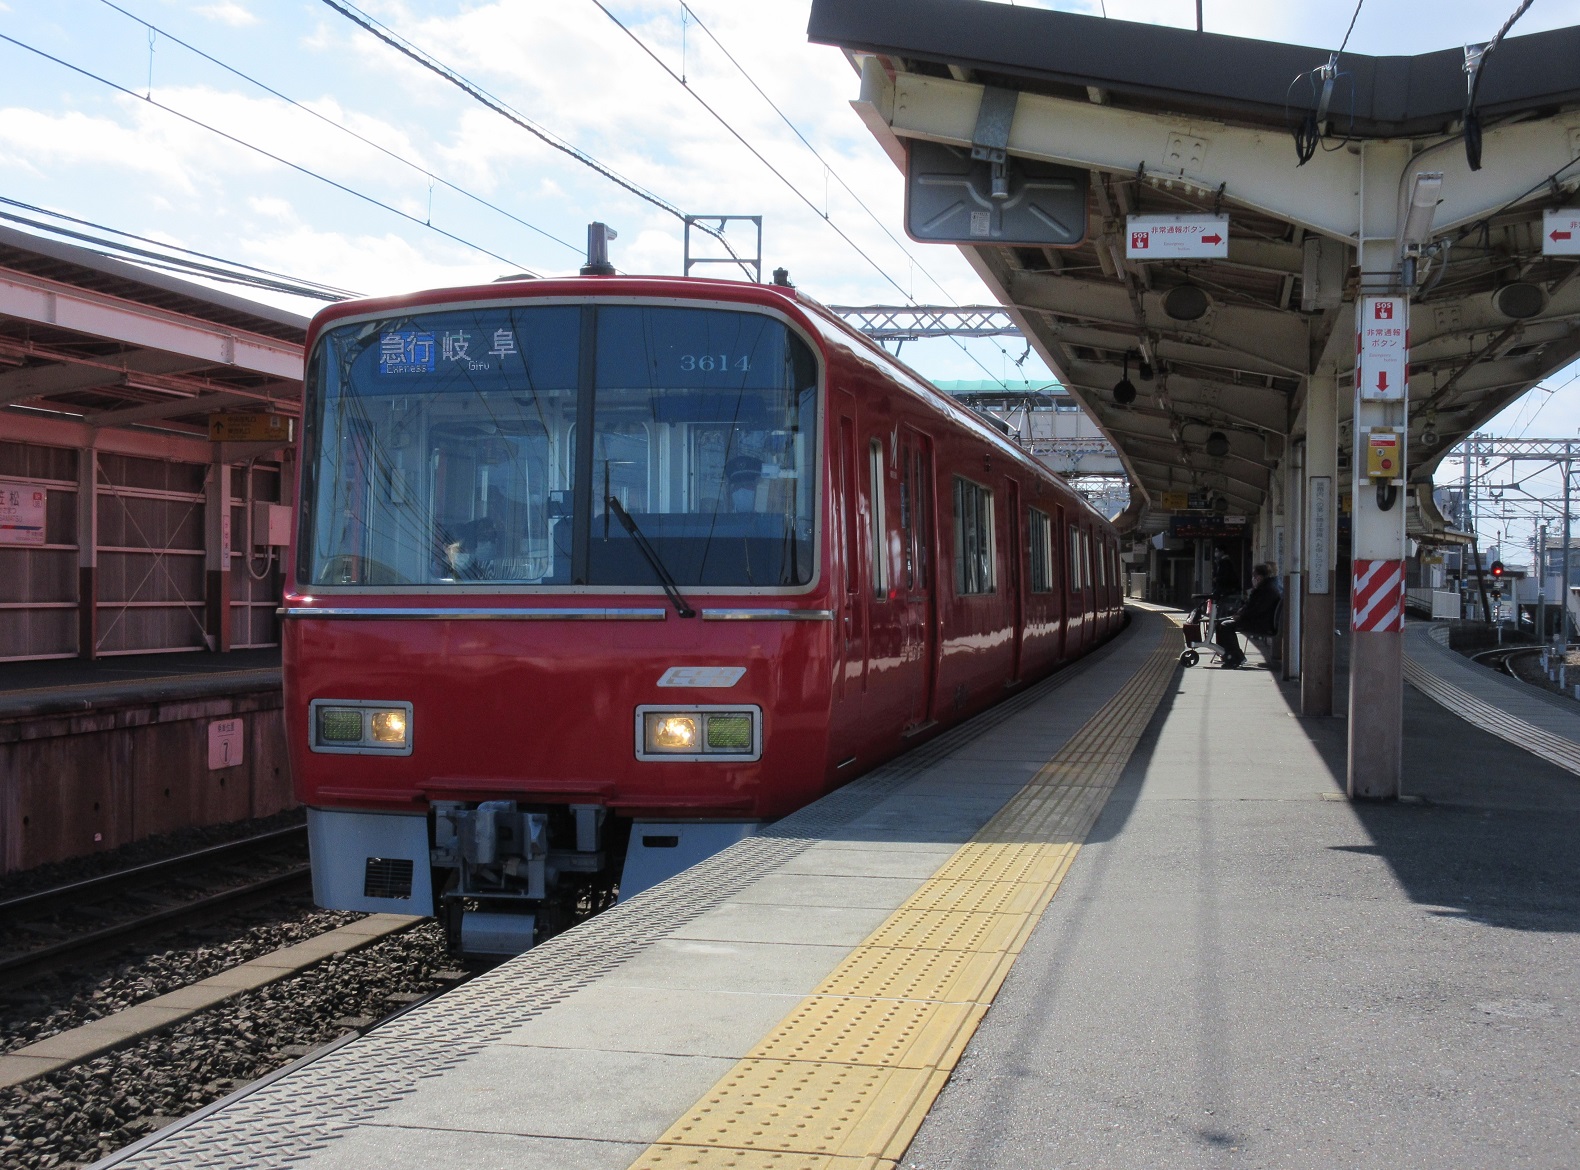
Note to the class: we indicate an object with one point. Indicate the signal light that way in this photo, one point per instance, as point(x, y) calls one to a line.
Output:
point(1497, 568)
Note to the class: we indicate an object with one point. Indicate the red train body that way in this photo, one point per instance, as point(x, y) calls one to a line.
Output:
point(889, 565)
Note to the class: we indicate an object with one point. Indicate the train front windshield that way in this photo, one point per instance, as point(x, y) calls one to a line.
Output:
point(482, 446)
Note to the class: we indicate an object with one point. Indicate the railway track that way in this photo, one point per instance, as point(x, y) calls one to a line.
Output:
point(1502, 658)
point(149, 899)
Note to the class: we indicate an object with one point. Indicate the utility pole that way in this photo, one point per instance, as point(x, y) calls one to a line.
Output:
point(1541, 582)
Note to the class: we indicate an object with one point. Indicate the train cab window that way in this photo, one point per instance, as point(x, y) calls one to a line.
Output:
point(1039, 547)
point(443, 448)
point(974, 541)
point(877, 516)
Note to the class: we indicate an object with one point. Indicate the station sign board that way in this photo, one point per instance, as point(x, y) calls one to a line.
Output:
point(1174, 501)
point(1177, 237)
point(1319, 526)
point(249, 428)
point(22, 513)
point(1382, 348)
point(1561, 232)
point(1206, 527)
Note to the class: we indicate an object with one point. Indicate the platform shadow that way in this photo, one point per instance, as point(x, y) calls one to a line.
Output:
point(1486, 832)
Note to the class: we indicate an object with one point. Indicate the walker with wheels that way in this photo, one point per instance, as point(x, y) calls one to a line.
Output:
point(1195, 643)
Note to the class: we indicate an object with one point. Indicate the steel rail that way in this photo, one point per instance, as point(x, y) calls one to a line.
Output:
point(143, 875)
point(26, 966)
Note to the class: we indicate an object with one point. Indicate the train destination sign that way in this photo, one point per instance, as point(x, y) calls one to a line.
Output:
point(1382, 342)
point(1177, 237)
point(1561, 232)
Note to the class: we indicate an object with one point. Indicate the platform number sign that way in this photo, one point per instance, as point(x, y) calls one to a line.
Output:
point(224, 744)
point(1382, 349)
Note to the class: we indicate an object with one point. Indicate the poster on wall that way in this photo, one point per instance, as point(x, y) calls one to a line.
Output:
point(22, 513)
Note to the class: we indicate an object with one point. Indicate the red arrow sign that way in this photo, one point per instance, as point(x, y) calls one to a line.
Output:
point(1382, 379)
point(1215, 240)
point(1558, 235)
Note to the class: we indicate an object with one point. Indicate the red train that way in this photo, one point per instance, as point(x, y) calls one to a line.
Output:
point(595, 575)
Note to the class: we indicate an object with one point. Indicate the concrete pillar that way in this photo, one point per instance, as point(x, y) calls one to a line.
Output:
point(1321, 501)
point(216, 509)
point(1293, 471)
point(1376, 725)
point(88, 552)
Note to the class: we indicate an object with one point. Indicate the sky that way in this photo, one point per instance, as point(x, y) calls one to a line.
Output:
point(74, 144)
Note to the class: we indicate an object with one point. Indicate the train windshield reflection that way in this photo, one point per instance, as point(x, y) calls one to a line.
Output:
point(446, 449)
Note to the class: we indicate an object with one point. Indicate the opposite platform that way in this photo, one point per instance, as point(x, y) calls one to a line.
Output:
point(797, 1000)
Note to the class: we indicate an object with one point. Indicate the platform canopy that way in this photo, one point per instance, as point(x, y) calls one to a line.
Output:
point(1164, 122)
point(92, 343)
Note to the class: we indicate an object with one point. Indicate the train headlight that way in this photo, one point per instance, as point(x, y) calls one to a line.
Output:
point(699, 733)
point(388, 727)
point(360, 727)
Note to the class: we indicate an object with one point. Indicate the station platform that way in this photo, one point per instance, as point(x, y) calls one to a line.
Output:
point(1195, 953)
point(96, 755)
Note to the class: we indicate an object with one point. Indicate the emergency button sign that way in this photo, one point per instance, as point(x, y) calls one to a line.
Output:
point(1177, 237)
point(1382, 349)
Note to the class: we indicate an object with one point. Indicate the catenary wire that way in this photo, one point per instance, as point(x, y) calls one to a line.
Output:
point(478, 93)
point(78, 69)
point(794, 129)
point(1345, 42)
point(399, 43)
point(344, 129)
point(736, 134)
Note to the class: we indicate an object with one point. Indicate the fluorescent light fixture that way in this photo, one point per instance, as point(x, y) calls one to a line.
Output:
point(1425, 194)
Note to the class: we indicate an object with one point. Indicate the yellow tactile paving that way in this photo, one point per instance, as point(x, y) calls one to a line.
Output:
point(890, 1033)
point(887, 973)
point(844, 1081)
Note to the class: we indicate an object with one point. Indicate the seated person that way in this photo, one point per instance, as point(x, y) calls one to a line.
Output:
point(1255, 618)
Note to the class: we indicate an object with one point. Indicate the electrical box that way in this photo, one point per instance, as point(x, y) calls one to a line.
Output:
point(271, 524)
point(1384, 454)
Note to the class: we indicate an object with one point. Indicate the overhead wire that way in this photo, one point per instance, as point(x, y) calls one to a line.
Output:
point(778, 174)
point(794, 129)
point(399, 43)
point(298, 167)
point(344, 129)
point(1472, 120)
point(431, 63)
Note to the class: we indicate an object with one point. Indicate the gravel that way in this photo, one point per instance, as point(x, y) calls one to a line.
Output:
point(85, 1112)
point(70, 998)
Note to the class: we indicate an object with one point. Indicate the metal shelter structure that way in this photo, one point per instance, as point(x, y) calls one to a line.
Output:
point(1309, 204)
point(909, 322)
point(123, 528)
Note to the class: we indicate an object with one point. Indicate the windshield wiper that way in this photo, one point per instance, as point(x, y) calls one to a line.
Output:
point(647, 550)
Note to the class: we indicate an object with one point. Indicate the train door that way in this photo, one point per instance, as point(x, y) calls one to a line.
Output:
point(851, 679)
point(919, 624)
point(1014, 555)
point(1061, 588)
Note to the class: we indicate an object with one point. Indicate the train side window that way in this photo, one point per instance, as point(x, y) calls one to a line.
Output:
point(877, 518)
point(1076, 582)
point(1040, 549)
point(1086, 560)
point(974, 547)
point(1102, 564)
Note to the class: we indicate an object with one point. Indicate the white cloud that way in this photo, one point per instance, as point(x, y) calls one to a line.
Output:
point(228, 12)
